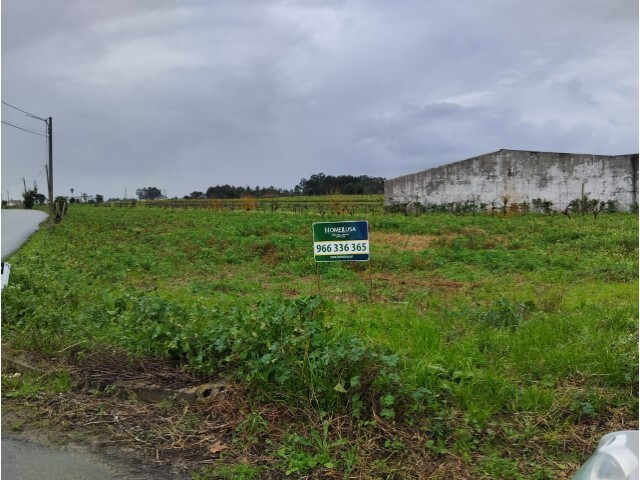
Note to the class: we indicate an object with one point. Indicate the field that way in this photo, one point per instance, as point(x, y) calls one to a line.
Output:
point(469, 347)
point(325, 204)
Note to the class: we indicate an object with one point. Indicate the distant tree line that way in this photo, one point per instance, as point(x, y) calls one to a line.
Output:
point(317, 184)
point(321, 184)
point(227, 191)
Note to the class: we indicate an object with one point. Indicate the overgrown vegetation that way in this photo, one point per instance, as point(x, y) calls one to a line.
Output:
point(506, 206)
point(472, 346)
point(32, 198)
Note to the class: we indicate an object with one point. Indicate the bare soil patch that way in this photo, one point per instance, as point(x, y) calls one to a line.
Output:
point(403, 282)
point(414, 243)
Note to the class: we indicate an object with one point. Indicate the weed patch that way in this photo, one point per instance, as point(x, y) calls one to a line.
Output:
point(468, 337)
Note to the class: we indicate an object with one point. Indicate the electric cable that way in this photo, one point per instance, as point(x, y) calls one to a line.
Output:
point(26, 130)
point(26, 113)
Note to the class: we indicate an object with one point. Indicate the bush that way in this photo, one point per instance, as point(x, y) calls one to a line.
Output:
point(60, 204)
point(542, 206)
point(283, 349)
point(396, 208)
point(30, 197)
point(506, 314)
point(415, 208)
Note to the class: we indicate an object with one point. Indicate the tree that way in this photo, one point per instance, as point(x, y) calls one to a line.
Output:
point(30, 197)
point(321, 184)
point(149, 193)
point(99, 198)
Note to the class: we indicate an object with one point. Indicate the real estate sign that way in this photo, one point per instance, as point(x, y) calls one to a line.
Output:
point(341, 241)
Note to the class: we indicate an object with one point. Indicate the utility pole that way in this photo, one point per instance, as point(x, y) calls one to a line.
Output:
point(50, 172)
point(49, 123)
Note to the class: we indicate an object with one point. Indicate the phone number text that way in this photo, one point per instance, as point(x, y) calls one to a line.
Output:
point(328, 248)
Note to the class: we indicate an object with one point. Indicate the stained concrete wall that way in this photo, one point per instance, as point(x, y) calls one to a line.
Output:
point(521, 176)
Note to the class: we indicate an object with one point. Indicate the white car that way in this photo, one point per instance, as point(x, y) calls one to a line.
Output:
point(6, 268)
point(616, 458)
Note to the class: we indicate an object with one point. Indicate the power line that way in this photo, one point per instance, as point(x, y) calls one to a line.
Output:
point(26, 127)
point(49, 136)
point(41, 172)
point(26, 113)
point(20, 128)
point(19, 180)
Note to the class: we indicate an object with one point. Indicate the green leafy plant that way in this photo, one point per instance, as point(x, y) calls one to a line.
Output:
point(302, 453)
point(459, 321)
point(506, 314)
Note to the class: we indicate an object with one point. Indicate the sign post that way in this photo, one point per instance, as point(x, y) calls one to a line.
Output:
point(341, 242)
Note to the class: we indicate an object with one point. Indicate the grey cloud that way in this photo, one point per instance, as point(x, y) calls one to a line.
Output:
point(190, 94)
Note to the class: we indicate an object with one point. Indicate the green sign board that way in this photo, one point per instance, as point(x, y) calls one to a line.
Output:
point(341, 241)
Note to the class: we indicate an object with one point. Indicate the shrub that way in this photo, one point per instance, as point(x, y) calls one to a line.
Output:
point(415, 208)
point(396, 208)
point(248, 203)
point(29, 198)
point(542, 206)
point(284, 349)
point(60, 204)
point(506, 314)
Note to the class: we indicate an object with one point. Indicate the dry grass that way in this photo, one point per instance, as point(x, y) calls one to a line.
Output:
point(228, 427)
point(414, 243)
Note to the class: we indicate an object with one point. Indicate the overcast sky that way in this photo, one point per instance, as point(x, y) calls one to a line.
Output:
point(183, 95)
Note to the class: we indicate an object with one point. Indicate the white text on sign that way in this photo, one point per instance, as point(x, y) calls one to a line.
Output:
point(329, 248)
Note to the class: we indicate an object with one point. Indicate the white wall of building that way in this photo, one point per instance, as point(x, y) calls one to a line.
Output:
point(521, 176)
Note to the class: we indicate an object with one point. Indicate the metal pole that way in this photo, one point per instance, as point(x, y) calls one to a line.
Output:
point(50, 173)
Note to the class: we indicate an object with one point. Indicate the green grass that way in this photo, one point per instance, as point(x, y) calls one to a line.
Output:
point(485, 332)
point(228, 472)
point(29, 386)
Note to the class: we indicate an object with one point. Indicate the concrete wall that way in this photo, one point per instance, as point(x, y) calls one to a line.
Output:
point(521, 176)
